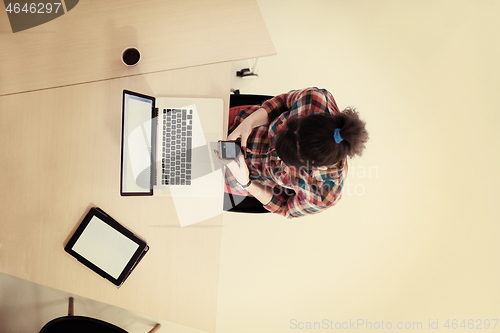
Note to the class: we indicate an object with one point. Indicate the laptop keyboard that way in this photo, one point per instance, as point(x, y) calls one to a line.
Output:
point(177, 142)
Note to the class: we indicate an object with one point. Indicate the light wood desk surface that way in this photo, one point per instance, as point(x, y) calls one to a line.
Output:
point(86, 43)
point(60, 155)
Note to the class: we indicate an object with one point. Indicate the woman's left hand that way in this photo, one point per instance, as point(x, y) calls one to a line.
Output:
point(238, 168)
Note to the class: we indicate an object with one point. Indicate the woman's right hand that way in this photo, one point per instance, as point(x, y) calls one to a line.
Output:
point(242, 132)
point(257, 118)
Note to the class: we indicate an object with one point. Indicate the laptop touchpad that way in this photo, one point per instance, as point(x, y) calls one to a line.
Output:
point(201, 163)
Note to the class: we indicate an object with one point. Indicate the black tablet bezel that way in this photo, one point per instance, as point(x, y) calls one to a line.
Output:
point(100, 214)
point(153, 139)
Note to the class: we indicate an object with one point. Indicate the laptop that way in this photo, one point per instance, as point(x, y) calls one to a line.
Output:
point(167, 146)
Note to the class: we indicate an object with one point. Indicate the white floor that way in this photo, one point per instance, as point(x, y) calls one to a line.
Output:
point(25, 307)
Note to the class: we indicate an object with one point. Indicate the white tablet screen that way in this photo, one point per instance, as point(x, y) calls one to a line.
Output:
point(105, 247)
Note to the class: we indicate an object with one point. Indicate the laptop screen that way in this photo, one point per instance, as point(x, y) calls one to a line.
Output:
point(136, 144)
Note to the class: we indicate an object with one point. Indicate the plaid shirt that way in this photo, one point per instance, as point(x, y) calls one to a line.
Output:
point(296, 192)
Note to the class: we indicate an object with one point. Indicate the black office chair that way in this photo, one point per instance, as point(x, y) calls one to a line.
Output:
point(79, 324)
point(238, 203)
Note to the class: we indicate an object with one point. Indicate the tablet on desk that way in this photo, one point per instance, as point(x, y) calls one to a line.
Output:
point(106, 247)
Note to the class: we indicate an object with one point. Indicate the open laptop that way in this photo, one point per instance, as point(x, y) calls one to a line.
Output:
point(167, 146)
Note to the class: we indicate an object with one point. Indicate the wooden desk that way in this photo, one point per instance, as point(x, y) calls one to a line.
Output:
point(60, 154)
point(86, 43)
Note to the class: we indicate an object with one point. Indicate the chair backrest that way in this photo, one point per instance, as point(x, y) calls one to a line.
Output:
point(236, 203)
point(244, 99)
point(79, 324)
point(239, 204)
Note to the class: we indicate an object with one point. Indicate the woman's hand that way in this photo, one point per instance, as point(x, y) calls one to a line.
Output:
point(245, 128)
point(238, 168)
point(242, 132)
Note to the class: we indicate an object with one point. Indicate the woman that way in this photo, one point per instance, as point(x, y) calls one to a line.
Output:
point(296, 147)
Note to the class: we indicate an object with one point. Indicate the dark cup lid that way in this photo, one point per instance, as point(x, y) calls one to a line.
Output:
point(131, 56)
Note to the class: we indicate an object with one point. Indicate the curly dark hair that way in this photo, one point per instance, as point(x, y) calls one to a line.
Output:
point(308, 141)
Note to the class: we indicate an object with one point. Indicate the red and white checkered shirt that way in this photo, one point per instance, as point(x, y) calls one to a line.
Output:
point(296, 192)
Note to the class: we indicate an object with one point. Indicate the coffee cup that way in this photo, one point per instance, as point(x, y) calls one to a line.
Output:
point(131, 56)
